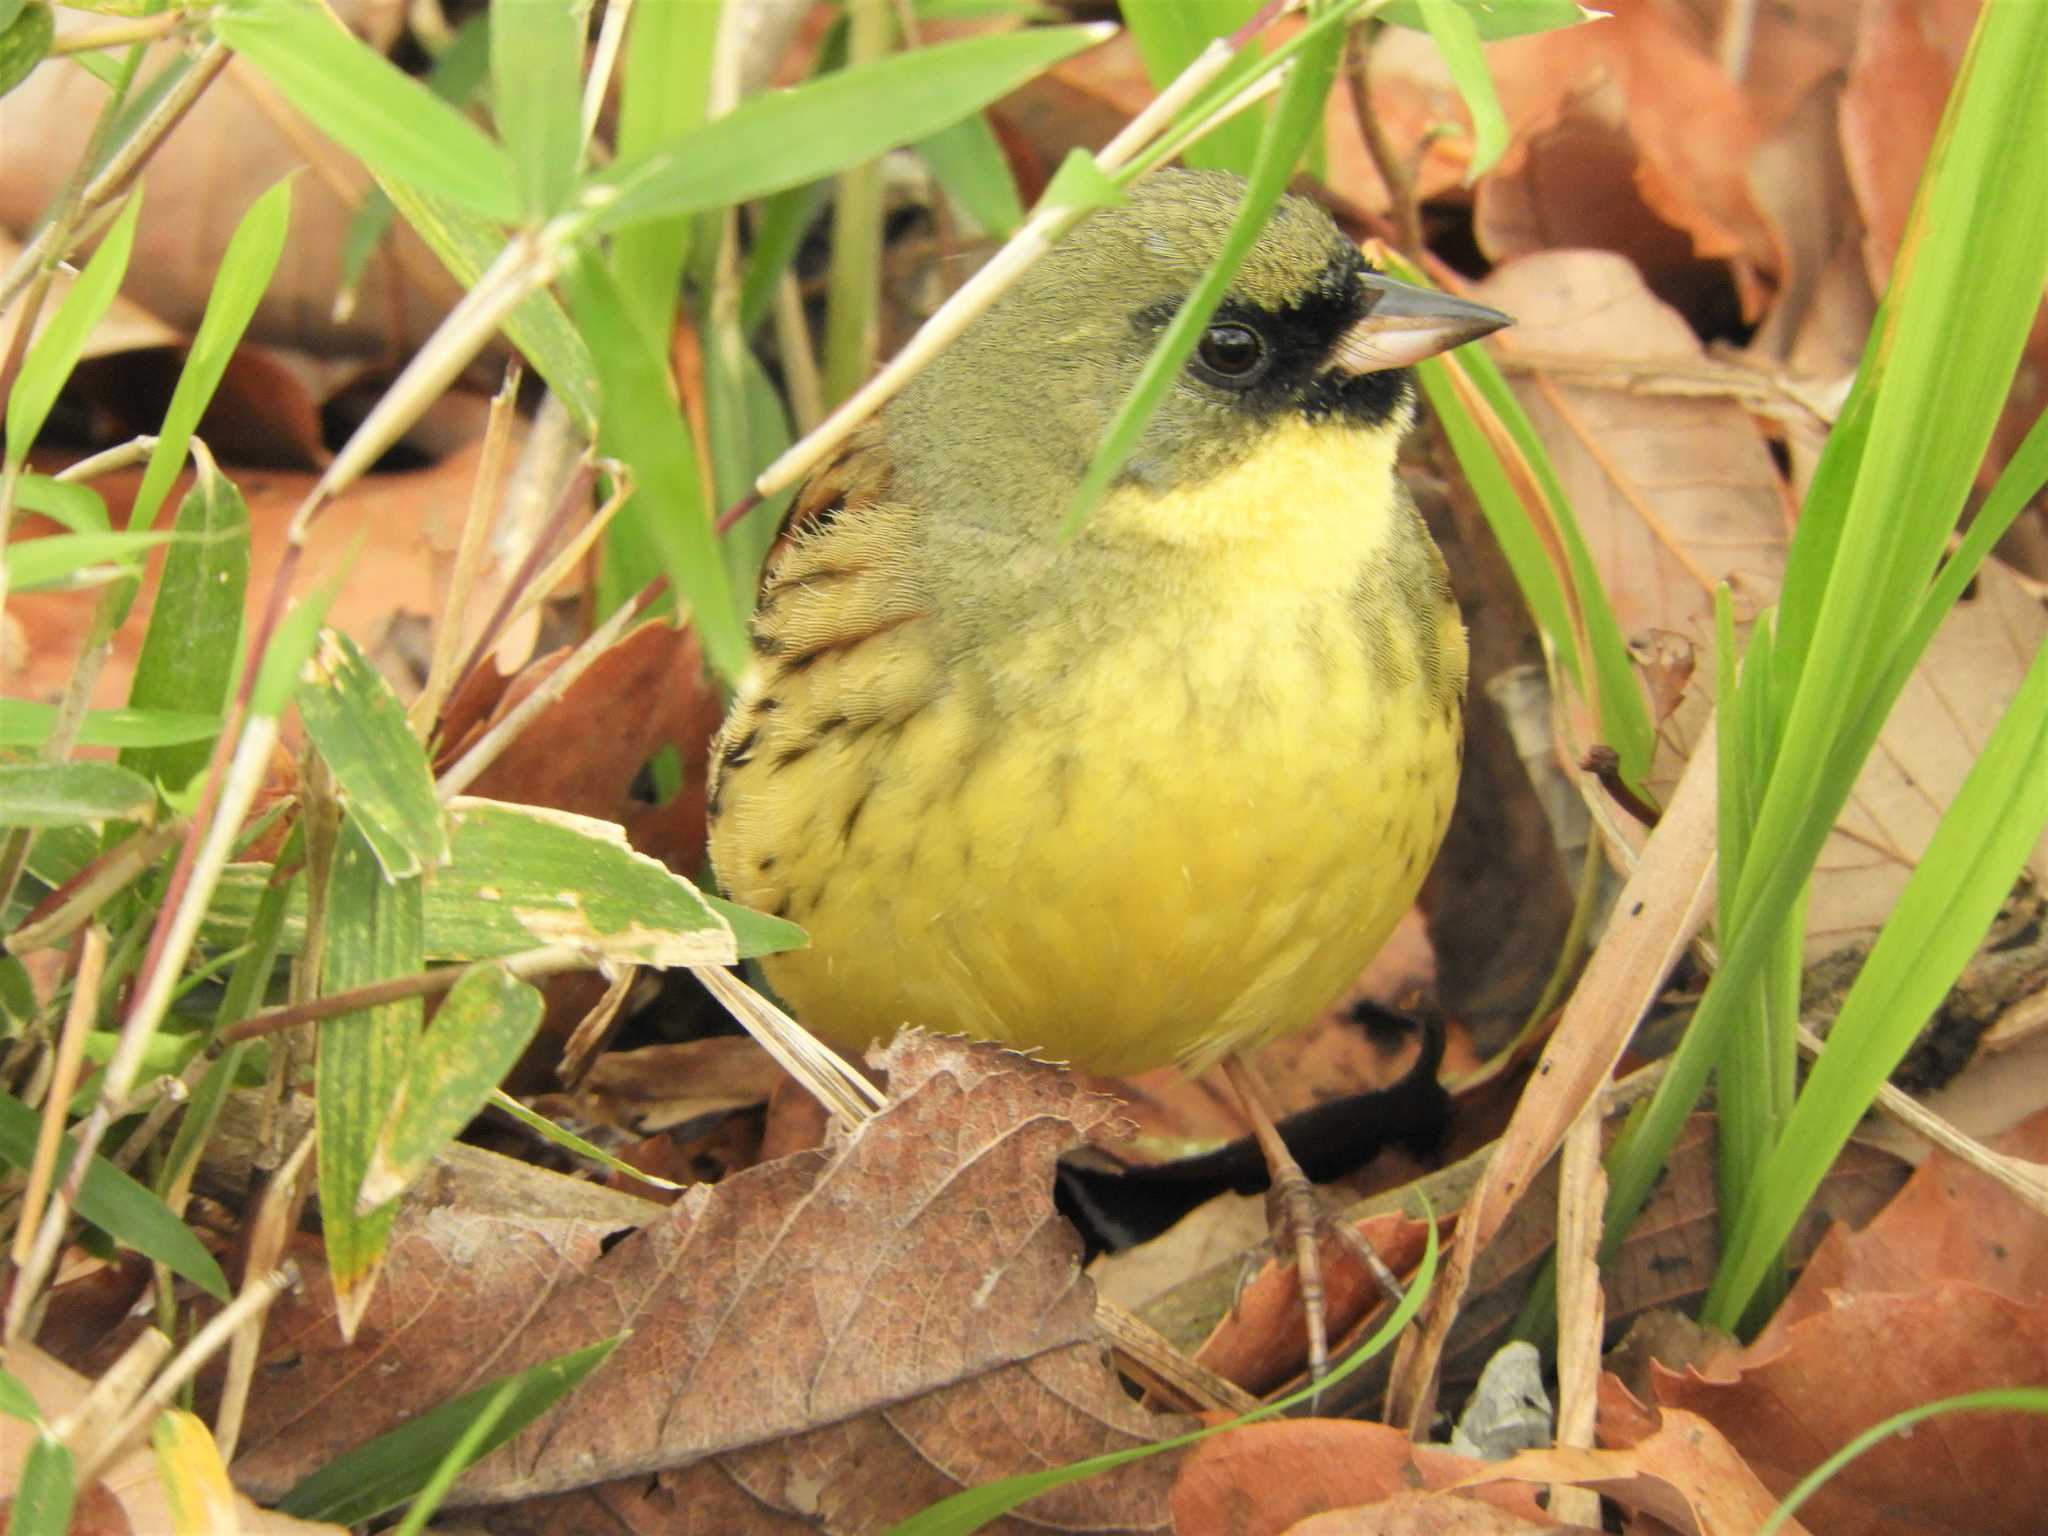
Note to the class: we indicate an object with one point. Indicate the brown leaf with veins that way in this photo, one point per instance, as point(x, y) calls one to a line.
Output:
point(1789, 1402)
point(1676, 494)
point(843, 1335)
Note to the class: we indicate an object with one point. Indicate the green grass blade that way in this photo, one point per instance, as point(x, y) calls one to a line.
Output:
point(1170, 34)
point(487, 1019)
point(2011, 1399)
point(1497, 19)
point(666, 529)
point(359, 728)
point(375, 930)
point(71, 560)
point(782, 139)
point(1457, 39)
point(537, 99)
point(467, 244)
point(383, 1473)
point(663, 91)
point(975, 172)
point(42, 1502)
point(25, 723)
point(239, 283)
point(366, 104)
point(116, 1204)
point(79, 508)
point(1978, 850)
point(48, 363)
point(191, 652)
point(70, 794)
point(1286, 133)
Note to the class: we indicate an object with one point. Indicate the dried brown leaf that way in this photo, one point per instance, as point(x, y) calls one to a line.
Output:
point(1788, 1403)
point(844, 1334)
point(1675, 495)
point(1265, 1478)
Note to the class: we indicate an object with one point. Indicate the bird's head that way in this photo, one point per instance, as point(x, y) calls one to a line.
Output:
point(1003, 425)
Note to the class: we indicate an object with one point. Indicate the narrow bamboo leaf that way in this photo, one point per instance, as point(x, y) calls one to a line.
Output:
point(533, 877)
point(667, 527)
point(973, 169)
point(458, 75)
point(569, 1141)
point(1624, 718)
point(1978, 850)
point(663, 89)
point(191, 651)
point(70, 559)
point(782, 139)
point(25, 723)
point(1170, 34)
point(748, 430)
point(18, 1009)
point(463, 902)
point(291, 643)
point(370, 107)
point(79, 508)
point(239, 283)
point(70, 794)
point(42, 1503)
point(1293, 121)
point(1457, 39)
point(116, 1204)
point(55, 353)
point(16, 1401)
point(467, 244)
point(756, 933)
point(359, 727)
point(779, 227)
point(477, 1034)
point(1497, 19)
point(363, 1483)
point(195, 1481)
point(537, 98)
point(374, 931)
point(25, 37)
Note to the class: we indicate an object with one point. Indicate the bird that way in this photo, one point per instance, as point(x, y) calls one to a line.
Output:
point(1152, 792)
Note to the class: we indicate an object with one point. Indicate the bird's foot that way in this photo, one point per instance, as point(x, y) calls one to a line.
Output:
point(1301, 1220)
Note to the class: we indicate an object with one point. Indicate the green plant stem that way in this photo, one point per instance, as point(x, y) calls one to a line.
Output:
point(852, 334)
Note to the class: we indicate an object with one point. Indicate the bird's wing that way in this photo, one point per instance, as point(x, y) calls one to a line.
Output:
point(843, 656)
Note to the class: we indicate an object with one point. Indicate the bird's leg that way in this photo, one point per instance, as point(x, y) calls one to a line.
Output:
point(1299, 1215)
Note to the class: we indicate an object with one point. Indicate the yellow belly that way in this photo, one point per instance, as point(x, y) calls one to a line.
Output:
point(1190, 881)
point(1161, 849)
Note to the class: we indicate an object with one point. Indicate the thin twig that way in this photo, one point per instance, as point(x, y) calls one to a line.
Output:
point(545, 961)
point(1395, 172)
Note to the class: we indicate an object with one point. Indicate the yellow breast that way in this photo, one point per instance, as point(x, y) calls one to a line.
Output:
point(1162, 847)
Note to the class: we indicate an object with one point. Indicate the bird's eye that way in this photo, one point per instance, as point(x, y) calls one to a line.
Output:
point(1231, 353)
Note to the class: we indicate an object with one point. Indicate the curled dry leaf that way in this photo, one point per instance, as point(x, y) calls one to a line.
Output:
point(1941, 1293)
point(1675, 495)
point(838, 1337)
point(1830, 1376)
point(1677, 1469)
point(1425, 1514)
point(1264, 1479)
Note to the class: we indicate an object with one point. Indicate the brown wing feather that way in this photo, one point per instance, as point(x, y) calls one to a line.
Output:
point(842, 658)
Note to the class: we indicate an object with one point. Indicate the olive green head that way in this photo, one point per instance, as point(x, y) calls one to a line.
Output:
point(1003, 425)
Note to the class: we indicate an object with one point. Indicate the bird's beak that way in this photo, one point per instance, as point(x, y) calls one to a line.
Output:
point(1407, 324)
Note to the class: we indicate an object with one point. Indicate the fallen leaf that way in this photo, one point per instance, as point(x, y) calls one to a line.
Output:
point(1262, 1479)
point(847, 1334)
point(1675, 495)
point(1788, 1403)
point(1425, 1514)
point(1680, 1470)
